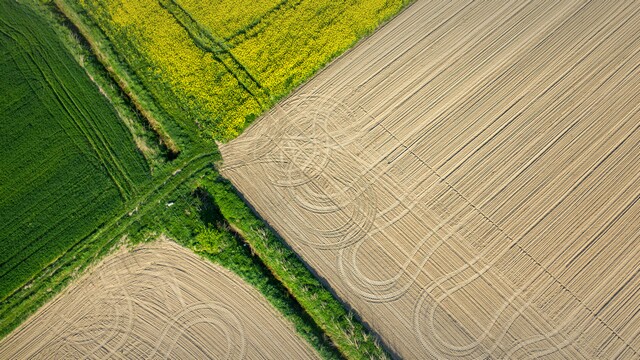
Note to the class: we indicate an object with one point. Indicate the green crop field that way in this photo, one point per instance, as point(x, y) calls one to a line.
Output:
point(216, 66)
point(66, 161)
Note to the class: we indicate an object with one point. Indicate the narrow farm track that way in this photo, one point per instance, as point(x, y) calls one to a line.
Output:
point(58, 273)
point(157, 301)
point(468, 179)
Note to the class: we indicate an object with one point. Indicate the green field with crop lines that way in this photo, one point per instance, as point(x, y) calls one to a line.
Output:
point(67, 163)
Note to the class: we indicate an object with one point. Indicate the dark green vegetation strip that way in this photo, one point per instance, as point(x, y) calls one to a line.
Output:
point(67, 162)
point(348, 334)
point(191, 217)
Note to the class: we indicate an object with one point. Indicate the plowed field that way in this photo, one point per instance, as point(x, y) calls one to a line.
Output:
point(159, 301)
point(467, 179)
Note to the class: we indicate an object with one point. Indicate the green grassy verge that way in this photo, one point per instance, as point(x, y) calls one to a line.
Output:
point(348, 334)
point(190, 216)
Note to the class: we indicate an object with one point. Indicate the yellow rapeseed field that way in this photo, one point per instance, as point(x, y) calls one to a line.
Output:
point(277, 44)
point(287, 46)
point(227, 17)
point(144, 33)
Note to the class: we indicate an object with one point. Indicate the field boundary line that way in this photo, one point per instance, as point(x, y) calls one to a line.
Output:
point(123, 81)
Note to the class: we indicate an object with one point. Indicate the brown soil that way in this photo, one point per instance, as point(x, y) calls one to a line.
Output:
point(158, 301)
point(468, 178)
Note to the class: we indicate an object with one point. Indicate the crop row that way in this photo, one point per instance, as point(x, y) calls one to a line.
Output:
point(67, 161)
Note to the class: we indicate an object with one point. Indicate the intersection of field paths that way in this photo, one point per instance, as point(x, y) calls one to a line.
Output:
point(467, 179)
point(158, 301)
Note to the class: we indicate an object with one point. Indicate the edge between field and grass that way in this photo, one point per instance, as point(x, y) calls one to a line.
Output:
point(349, 335)
point(142, 101)
point(194, 221)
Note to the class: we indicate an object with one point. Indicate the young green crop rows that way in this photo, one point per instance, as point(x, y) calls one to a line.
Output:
point(215, 67)
point(66, 161)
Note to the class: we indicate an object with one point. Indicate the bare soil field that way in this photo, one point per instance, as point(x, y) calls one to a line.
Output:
point(467, 179)
point(158, 301)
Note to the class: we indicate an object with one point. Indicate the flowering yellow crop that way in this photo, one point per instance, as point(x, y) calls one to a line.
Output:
point(271, 46)
point(228, 17)
point(288, 45)
point(165, 58)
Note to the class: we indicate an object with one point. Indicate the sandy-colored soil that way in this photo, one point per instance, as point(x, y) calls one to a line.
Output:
point(159, 301)
point(468, 179)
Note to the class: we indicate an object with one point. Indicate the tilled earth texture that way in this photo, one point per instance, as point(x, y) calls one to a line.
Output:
point(158, 301)
point(467, 179)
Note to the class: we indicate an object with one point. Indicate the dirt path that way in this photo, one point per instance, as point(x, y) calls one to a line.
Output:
point(468, 179)
point(157, 301)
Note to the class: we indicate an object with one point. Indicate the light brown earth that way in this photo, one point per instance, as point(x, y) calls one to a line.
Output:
point(468, 179)
point(158, 301)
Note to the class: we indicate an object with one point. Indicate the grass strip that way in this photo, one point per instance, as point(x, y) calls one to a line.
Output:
point(348, 334)
point(142, 102)
point(196, 223)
